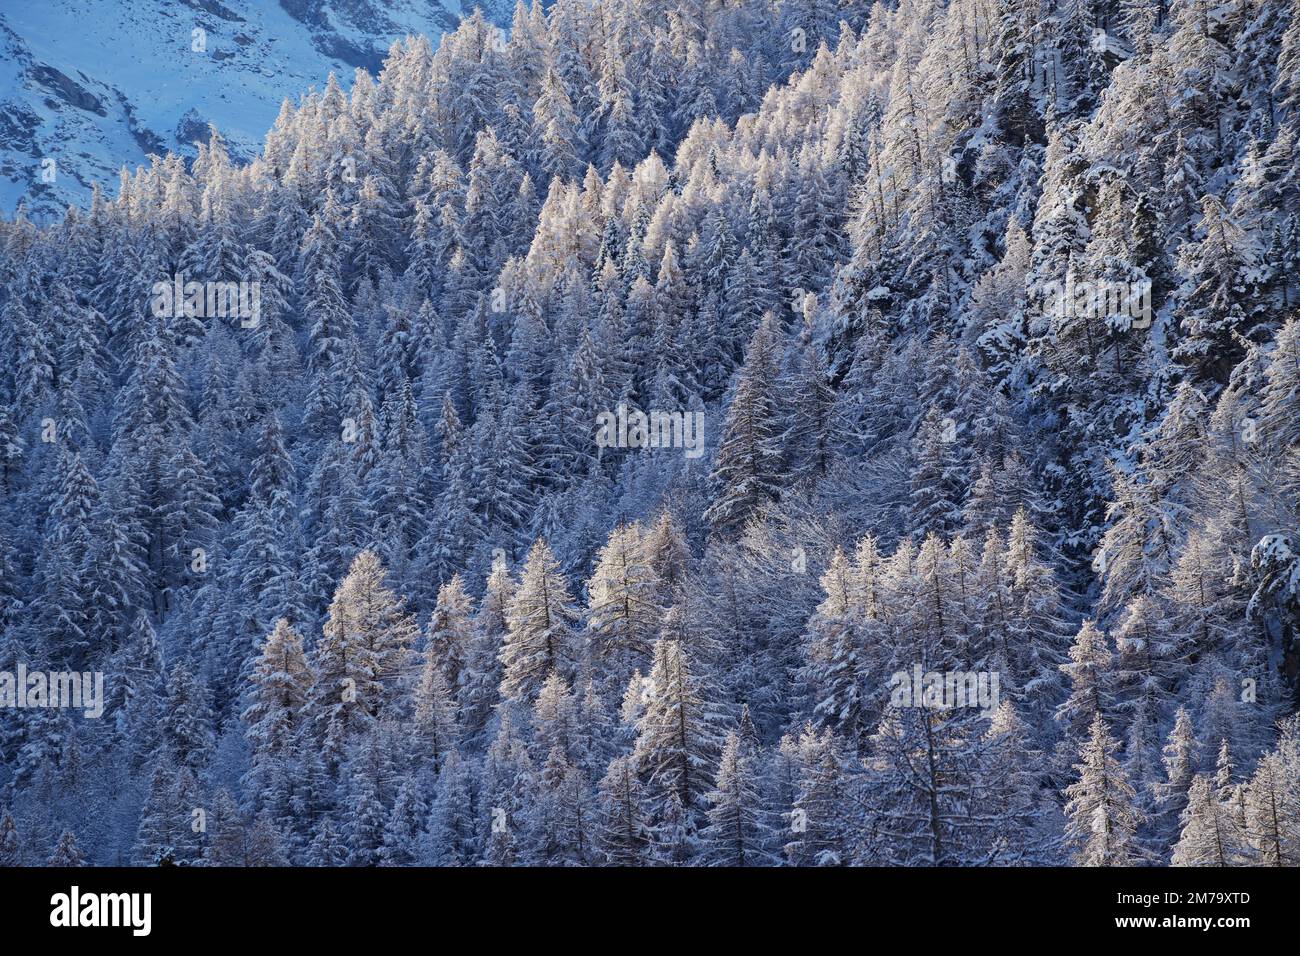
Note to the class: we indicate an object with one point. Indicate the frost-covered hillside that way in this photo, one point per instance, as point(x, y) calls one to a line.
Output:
point(681, 432)
point(94, 85)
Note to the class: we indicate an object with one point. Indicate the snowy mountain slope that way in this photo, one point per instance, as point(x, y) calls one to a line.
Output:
point(93, 85)
point(994, 330)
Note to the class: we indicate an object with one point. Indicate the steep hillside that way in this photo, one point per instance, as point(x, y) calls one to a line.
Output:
point(94, 86)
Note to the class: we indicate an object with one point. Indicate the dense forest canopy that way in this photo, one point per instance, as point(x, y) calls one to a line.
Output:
point(985, 314)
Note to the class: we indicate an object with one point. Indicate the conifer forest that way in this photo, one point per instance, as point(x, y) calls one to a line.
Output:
point(671, 433)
